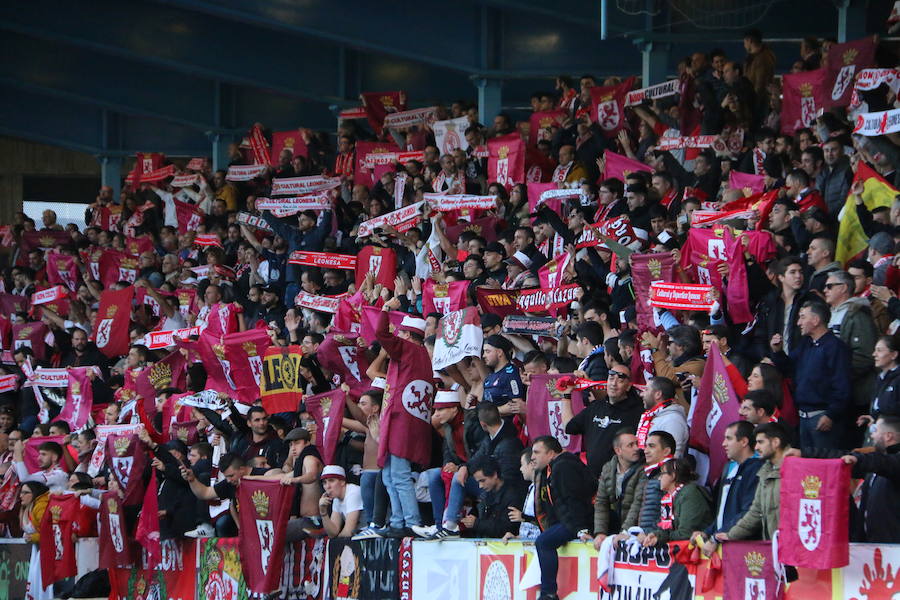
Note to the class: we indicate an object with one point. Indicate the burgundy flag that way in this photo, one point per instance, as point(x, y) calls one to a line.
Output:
point(328, 411)
point(31, 334)
point(804, 96)
point(380, 261)
point(544, 406)
point(115, 551)
point(843, 62)
point(234, 362)
point(750, 571)
point(13, 303)
point(45, 239)
point(126, 456)
point(62, 269)
point(264, 510)
point(364, 175)
point(486, 227)
point(185, 432)
point(739, 181)
point(115, 266)
point(551, 274)
point(113, 318)
point(443, 297)
point(379, 104)
point(349, 315)
point(147, 531)
point(608, 106)
point(188, 216)
point(171, 371)
point(287, 140)
point(369, 322)
point(718, 406)
point(619, 167)
point(340, 354)
point(812, 524)
point(138, 245)
point(79, 398)
point(506, 160)
point(57, 545)
point(737, 292)
point(542, 124)
point(645, 269)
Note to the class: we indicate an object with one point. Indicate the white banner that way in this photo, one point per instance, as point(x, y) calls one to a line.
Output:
point(283, 207)
point(181, 181)
point(245, 172)
point(660, 90)
point(396, 218)
point(444, 202)
point(451, 134)
point(103, 432)
point(878, 123)
point(303, 185)
point(320, 303)
point(408, 118)
point(156, 340)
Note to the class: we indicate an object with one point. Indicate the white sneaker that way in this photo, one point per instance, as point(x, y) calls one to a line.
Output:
point(424, 531)
point(203, 531)
point(367, 533)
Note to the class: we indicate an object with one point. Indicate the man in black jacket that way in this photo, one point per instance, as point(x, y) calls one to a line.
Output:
point(494, 503)
point(881, 489)
point(562, 505)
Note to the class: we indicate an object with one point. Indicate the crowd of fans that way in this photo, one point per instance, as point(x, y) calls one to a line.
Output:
point(816, 368)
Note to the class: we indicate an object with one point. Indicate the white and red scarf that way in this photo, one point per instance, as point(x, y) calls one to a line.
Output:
point(647, 420)
point(561, 172)
point(667, 508)
point(759, 160)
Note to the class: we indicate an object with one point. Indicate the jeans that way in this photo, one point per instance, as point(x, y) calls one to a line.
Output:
point(225, 526)
point(546, 545)
point(437, 493)
point(810, 437)
point(374, 498)
point(397, 478)
point(458, 495)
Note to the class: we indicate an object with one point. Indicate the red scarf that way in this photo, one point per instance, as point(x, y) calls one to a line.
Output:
point(647, 420)
point(343, 164)
point(561, 172)
point(667, 508)
point(759, 159)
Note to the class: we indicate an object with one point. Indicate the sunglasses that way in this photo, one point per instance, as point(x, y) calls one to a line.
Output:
point(619, 375)
point(828, 286)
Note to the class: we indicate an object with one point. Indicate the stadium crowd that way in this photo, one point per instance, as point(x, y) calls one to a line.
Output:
point(730, 182)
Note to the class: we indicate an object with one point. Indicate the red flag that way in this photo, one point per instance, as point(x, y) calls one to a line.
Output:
point(608, 106)
point(544, 406)
point(737, 292)
point(171, 371)
point(147, 532)
point(113, 318)
point(750, 571)
point(138, 245)
point(506, 160)
point(185, 432)
point(843, 63)
point(538, 166)
point(31, 334)
point(486, 227)
point(739, 181)
point(45, 239)
point(281, 389)
point(188, 216)
point(234, 362)
point(619, 167)
point(115, 551)
point(379, 104)
point(79, 398)
point(369, 322)
point(106, 217)
point(328, 411)
point(804, 96)
point(349, 316)
point(13, 303)
point(62, 269)
point(380, 261)
point(542, 124)
point(443, 297)
point(364, 175)
point(126, 456)
point(57, 545)
point(31, 449)
point(264, 510)
point(812, 524)
point(645, 269)
point(717, 407)
point(287, 140)
point(117, 266)
point(259, 146)
point(551, 274)
point(340, 354)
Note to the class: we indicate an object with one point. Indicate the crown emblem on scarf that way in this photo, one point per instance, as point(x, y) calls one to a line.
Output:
point(213, 559)
point(720, 389)
point(160, 375)
point(60, 264)
point(555, 393)
point(219, 350)
point(849, 57)
point(111, 311)
point(25, 332)
point(232, 563)
point(811, 485)
point(755, 562)
point(325, 405)
point(249, 348)
point(260, 503)
point(289, 142)
point(182, 434)
point(121, 445)
point(503, 152)
point(128, 263)
point(55, 513)
point(806, 89)
point(46, 241)
point(441, 290)
point(112, 506)
point(655, 268)
point(75, 388)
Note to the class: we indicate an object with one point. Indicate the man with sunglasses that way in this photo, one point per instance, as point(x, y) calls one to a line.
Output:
point(602, 419)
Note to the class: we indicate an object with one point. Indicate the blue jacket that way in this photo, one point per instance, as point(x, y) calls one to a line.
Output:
point(821, 373)
point(740, 494)
point(311, 241)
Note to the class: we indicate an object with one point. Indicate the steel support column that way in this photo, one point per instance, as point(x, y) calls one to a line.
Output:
point(111, 173)
point(490, 99)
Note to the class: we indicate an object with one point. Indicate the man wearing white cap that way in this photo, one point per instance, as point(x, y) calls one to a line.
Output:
point(405, 416)
point(343, 499)
point(518, 272)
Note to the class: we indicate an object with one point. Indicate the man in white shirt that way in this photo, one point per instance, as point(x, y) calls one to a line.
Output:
point(343, 499)
point(49, 472)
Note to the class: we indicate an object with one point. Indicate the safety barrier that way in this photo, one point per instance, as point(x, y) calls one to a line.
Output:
point(459, 570)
